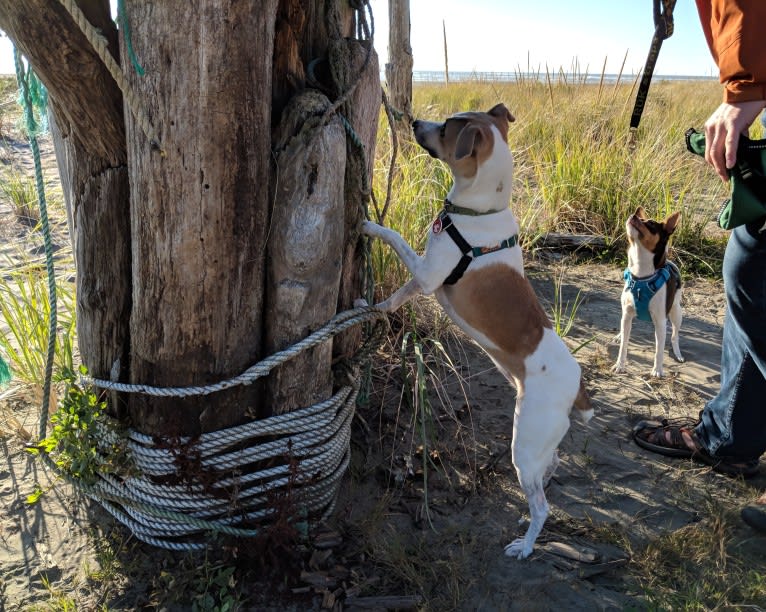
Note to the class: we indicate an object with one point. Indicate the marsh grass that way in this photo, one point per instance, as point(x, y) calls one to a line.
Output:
point(576, 171)
point(709, 565)
point(25, 309)
point(21, 193)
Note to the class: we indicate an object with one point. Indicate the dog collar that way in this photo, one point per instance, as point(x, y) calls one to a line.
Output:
point(449, 207)
point(469, 252)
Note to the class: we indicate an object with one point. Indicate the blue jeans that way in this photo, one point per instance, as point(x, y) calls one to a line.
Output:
point(734, 422)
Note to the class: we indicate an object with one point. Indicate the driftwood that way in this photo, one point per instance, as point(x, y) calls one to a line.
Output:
point(399, 66)
point(361, 111)
point(88, 129)
point(305, 249)
point(171, 248)
point(200, 214)
point(393, 602)
point(571, 241)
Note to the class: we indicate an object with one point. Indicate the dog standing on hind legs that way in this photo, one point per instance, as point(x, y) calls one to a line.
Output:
point(473, 265)
point(652, 287)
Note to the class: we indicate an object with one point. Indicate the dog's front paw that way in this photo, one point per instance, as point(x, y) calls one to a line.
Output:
point(371, 229)
point(360, 303)
point(657, 373)
point(619, 367)
point(518, 549)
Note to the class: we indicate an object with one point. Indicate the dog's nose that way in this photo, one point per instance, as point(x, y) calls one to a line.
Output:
point(415, 124)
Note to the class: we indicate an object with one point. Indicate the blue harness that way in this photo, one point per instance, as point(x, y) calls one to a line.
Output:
point(644, 288)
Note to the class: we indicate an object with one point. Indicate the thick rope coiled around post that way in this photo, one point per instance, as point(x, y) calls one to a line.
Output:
point(245, 474)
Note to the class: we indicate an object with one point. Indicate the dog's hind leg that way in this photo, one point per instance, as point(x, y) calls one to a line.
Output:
point(521, 548)
point(541, 419)
point(676, 316)
point(551, 469)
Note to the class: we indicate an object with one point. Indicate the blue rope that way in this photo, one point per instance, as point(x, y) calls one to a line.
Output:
point(23, 81)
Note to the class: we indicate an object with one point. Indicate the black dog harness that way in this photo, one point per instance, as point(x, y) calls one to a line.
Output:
point(444, 223)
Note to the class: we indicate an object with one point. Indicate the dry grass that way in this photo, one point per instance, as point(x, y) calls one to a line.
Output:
point(574, 173)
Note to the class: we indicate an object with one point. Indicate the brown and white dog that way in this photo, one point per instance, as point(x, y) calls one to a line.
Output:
point(652, 286)
point(473, 265)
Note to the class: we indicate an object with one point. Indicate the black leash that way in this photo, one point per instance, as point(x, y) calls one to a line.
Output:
point(663, 28)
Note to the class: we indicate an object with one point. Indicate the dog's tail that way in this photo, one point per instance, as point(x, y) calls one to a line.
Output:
point(582, 404)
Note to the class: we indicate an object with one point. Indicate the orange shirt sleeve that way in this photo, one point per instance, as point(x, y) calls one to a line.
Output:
point(734, 30)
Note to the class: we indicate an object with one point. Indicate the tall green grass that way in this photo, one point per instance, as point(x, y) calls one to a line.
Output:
point(576, 171)
point(24, 321)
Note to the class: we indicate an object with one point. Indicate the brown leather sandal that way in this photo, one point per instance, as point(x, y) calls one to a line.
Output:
point(666, 438)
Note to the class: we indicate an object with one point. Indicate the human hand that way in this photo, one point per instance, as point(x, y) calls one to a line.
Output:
point(722, 131)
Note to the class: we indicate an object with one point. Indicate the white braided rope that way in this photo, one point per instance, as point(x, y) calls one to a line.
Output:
point(99, 44)
point(303, 454)
point(339, 323)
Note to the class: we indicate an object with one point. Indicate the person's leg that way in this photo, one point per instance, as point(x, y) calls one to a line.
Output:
point(731, 432)
point(733, 424)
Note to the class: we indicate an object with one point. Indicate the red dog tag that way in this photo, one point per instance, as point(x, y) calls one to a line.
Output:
point(437, 226)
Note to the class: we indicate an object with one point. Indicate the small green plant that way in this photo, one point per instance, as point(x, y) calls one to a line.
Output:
point(21, 193)
point(59, 600)
point(423, 362)
point(201, 584)
point(564, 314)
point(415, 379)
point(77, 443)
point(217, 592)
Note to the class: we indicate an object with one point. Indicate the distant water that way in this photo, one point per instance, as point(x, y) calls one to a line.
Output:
point(436, 76)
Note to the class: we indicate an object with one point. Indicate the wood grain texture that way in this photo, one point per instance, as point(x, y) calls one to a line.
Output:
point(305, 249)
point(200, 215)
point(89, 139)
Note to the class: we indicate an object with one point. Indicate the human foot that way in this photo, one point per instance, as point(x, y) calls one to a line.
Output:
point(676, 438)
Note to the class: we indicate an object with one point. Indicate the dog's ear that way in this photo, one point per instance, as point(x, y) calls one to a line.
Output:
point(470, 139)
point(671, 223)
point(501, 112)
point(640, 213)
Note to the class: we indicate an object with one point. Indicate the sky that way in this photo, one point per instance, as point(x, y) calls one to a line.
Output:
point(510, 35)
point(507, 35)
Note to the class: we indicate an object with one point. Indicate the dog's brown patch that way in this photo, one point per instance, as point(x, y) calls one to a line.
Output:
point(500, 303)
point(673, 285)
point(582, 401)
point(467, 143)
point(654, 235)
point(501, 117)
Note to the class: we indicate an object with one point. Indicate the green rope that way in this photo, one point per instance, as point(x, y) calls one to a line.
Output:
point(38, 97)
point(125, 27)
point(5, 372)
point(23, 78)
